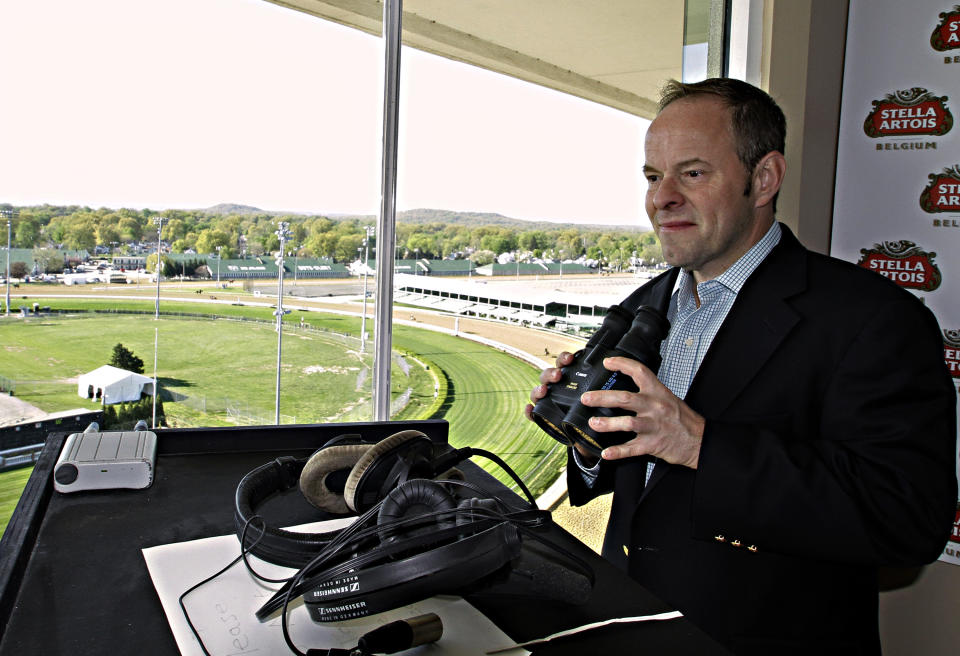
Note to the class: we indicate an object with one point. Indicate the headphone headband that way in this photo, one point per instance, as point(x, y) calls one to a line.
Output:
point(275, 545)
point(388, 585)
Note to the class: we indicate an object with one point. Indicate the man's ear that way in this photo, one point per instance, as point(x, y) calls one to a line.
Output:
point(767, 177)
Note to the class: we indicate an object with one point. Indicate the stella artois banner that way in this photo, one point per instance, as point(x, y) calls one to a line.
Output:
point(897, 196)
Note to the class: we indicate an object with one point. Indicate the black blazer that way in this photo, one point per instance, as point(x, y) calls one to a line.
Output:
point(829, 449)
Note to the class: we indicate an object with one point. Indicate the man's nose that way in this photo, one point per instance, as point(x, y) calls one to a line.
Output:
point(667, 195)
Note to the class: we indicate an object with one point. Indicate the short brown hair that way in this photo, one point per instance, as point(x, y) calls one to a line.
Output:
point(758, 123)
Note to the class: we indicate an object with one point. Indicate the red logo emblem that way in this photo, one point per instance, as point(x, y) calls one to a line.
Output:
point(943, 192)
point(911, 112)
point(946, 35)
point(904, 263)
point(955, 533)
point(951, 352)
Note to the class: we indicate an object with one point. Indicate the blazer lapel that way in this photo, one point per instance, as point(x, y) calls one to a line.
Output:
point(757, 324)
point(760, 319)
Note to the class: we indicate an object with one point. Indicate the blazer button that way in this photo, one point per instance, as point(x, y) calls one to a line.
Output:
point(719, 538)
point(735, 543)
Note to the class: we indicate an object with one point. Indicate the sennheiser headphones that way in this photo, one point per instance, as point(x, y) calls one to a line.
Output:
point(415, 537)
point(345, 476)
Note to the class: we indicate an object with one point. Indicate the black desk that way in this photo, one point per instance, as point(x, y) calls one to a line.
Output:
point(73, 580)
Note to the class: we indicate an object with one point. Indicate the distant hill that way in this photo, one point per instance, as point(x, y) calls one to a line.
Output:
point(451, 217)
point(233, 208)
point(427, 215)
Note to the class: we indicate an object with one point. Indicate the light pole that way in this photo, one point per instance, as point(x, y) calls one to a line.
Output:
point(159, 221)
point(218, 266)
point(9, 214)
point(156, 316)
point(283, 234)
point(366, 258)
point(416, 259)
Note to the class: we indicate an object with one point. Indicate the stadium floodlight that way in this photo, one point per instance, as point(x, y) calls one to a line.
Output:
point(159, 221)
point(283, 233)
point(8, 215)
point(218, 266)
point(156, 317)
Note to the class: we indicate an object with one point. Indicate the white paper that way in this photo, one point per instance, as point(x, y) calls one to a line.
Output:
point(223, 610)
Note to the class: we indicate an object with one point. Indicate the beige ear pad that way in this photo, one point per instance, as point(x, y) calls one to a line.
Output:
point(324, 476)
point(377, 450)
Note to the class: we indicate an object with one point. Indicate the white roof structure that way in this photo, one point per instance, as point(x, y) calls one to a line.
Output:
point(617, 53)
point(113, 385)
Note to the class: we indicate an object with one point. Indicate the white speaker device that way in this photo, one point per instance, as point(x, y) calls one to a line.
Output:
point(105, 461)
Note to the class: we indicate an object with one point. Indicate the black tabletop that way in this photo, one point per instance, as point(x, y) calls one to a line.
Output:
point(73, 579)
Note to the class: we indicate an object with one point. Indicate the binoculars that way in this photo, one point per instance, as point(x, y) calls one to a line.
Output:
point(561, 414)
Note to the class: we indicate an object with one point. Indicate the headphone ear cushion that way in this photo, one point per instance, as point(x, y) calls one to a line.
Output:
point(413, 499)
point(466, 508)
point(370, 458)
point(325, 475)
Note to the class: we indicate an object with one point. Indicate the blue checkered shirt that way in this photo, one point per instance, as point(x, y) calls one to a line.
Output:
point(693, 327)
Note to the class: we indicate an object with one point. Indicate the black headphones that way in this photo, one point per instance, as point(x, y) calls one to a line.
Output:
point(415, 537)
point(345, 476)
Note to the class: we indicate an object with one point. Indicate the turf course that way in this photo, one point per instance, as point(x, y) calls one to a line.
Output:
point(486, 393)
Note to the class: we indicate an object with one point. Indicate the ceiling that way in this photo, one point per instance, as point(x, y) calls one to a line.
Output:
point(615, 52)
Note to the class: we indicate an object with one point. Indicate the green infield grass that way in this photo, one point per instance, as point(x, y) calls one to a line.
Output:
point(220, 368)
point(222, 372)
point(11, 486)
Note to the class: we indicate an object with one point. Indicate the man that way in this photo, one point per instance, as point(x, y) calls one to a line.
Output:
point(800, 432)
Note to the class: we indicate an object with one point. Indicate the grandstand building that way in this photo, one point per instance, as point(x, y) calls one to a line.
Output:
point(578, 304)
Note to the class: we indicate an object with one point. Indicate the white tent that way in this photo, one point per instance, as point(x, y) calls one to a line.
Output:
point(113, 385)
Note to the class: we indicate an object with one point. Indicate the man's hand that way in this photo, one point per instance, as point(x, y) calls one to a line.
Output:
point(666, 427)
point(547, 376)
point(552, 375)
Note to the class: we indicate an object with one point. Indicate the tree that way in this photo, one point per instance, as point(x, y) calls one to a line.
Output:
point(481, 258)
point(346, 249)
point(108, 234)
point(81, 236)
point(123, 358)
point(130, 229)
point(28, 233)
point(208, 241)
point(49, 260)
point(168, 267)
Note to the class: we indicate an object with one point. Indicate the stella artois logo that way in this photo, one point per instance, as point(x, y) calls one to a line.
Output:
point(951, 351)
point(943, 192)
point(955, 533)
point(904, 263)
point(946, 35)
point(911, 112)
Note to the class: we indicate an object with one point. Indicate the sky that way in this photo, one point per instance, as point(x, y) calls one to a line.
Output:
point(190, 103)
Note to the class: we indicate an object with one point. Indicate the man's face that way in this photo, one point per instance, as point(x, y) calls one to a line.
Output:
point(695, 194)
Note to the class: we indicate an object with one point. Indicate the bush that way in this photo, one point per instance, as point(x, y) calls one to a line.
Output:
point(124, 416)
point(19, 270)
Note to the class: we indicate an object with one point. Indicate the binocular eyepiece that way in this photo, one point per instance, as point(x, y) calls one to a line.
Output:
point(561, 414)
